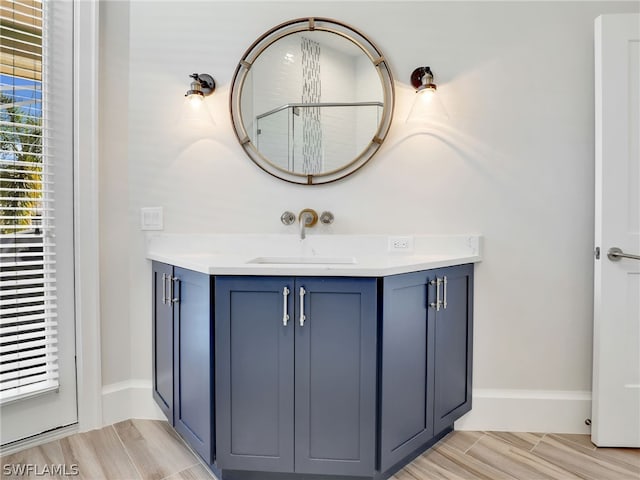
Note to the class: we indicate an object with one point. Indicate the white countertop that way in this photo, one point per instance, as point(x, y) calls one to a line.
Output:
point(329, 255)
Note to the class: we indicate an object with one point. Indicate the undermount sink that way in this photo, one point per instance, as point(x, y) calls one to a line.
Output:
point(304, 260)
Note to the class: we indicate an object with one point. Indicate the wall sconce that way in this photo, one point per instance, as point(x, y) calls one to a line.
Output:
point(426, 105)
point(202, 85)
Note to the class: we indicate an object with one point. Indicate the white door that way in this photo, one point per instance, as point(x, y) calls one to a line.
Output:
point(616, 346)
point(37, 369)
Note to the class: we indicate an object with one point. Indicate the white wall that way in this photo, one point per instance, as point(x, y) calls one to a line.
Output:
point(515, 163)
point(114, 191)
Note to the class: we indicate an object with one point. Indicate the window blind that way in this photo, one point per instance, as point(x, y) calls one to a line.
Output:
point(28, 324)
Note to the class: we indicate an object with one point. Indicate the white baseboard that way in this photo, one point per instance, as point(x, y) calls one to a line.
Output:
point(493, 410)
point(528, 411)
point(129, 399)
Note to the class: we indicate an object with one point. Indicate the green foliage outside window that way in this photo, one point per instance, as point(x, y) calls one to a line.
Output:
point(21, 165)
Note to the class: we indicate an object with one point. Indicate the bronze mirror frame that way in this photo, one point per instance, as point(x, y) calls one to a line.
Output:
point(301, 25)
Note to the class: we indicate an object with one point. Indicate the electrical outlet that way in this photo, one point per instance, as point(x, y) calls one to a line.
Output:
point(151, 218)
point(401, 244)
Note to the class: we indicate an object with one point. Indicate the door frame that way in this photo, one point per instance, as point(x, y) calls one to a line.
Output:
point(86, 214)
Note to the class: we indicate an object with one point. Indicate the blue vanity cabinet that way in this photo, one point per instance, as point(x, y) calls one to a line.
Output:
point(162, 335)
point(453, 345)
point(254, 373)
point(193, 361)
point(335, 376)
point(426, 355)
point(283, 377)
point(182, 354)
point(406, 406)
point(296, 395)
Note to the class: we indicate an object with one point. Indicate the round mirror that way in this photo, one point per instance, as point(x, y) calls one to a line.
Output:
point(312, 100)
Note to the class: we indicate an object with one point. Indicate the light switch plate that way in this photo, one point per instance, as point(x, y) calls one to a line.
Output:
point(151, 218)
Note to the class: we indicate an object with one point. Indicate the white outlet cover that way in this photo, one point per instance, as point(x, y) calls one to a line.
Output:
point(151, 218)
point(401, 243)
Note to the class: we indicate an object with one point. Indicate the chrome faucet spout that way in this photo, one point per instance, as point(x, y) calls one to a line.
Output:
point(307, 218)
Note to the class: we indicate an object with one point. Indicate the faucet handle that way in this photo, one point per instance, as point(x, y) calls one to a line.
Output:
point(326, 218)
point(288, 218)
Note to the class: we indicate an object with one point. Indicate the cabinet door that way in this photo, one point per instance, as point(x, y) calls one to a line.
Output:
point(162, 335)
point(193, 364)
point(254, 354)
point(407, 367)
point(453, 331)
point(335, 376)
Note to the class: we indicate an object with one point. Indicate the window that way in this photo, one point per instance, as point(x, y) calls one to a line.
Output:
point(28, 323)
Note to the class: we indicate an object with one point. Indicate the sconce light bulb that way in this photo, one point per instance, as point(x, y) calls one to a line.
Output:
point(426, 95)
point(195, 100)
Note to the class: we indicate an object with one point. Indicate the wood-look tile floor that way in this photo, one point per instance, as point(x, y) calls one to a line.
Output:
point(150, 449)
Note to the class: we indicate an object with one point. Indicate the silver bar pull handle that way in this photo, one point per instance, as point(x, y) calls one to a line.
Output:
point(615, 254)
point(444, 283)
point(302, 316)
point(437, 282)
point(164, 288)
point(434, 304)
point(174, 298)
point(285, 313)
